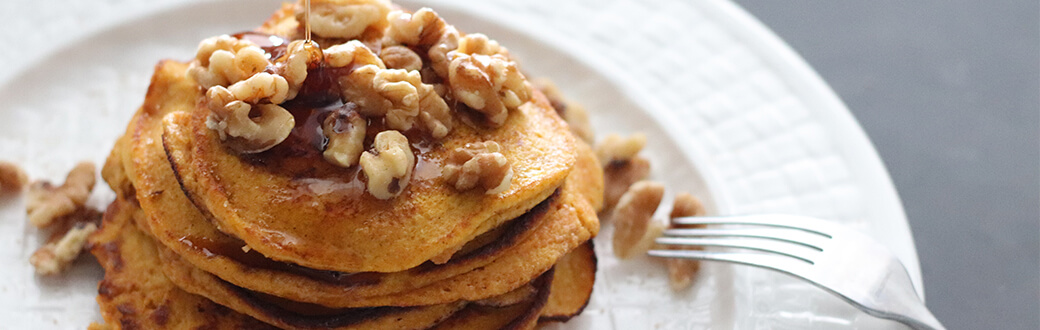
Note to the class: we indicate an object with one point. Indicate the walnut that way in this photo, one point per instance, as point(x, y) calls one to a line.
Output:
point(617, 148)
point(54, 257)
point(389, 166)
point(479, 164)
point(491, 85)
point(434, 112)
point(619, 175)
point(257, 127)
point(261, 87)
point(12, 178)
point(634, 228)
point(573, 113)
point(299, 56)
point(224, 60)
point(401, 57)
point(412, 29)
point(354, 53)
point(345, 130)
point(477, 43)
point(47, 203)
point(447, 42)
point(345, 19)
point(682, 271)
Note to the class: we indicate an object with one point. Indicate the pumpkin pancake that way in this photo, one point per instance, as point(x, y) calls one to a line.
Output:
point(136, 295)
point(172, 219)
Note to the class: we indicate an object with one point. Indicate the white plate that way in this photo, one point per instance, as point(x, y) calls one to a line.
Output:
point(732, 115)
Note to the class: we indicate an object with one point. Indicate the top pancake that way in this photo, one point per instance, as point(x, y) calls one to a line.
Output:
point(303, 210)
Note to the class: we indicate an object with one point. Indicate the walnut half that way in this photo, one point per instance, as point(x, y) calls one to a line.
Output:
point(491, 85)
point(479, 165)
point(389, 166)
point(682, 271)
point(259, 127)
point(634, 228)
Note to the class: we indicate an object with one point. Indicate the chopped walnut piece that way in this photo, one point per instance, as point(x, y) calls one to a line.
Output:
point(47, 203)
point(434, 112)
point(345, 130)
point(401, 57)
point(12, 178)
point(447, 41)
point(617, 148)
point(491, 85)
point(389, 93)
point(573, 113)
point(54, 257)
point(634, 227)
point(619, 175)
point(345, 18)
point(258, 127)
point(682, 271)
point(389, 166)
point(479, 164)
point(224, 60)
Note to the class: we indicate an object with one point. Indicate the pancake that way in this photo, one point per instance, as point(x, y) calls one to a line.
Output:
point(343, 229)
point(172, 220)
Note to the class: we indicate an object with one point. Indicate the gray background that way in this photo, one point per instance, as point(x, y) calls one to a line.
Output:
point(948, 92)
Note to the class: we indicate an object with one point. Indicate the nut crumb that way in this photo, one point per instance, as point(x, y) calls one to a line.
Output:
point(619, 175)
point(12, 178)
point(345, 130)
point(617, 148)
point(634, 227)
point(47, 203)
point(389, 166)
point(479, 164)
point(55, 257)
point(682, 271)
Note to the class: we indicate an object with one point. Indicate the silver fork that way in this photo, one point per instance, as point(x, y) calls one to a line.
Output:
point(837, 259)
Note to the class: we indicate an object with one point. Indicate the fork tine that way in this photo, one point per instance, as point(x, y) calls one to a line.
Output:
point(774, 262)
point(792, 236)
point(806, 224)
point(785, 249)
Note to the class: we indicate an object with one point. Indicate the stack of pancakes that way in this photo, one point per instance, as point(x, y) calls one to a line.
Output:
point(202, 236)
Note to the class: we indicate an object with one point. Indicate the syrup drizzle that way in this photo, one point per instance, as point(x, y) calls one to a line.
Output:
point(307, 23)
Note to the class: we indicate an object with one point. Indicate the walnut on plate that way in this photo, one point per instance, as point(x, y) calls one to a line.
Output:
point(634, 226)
point(682, 271)
point(389, 166)
point(47, 203)
point(12, 178)
point(479, 165)
point(54, 257)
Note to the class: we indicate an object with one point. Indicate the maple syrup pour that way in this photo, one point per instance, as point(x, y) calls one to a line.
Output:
point(232, 249)
point(307, 20)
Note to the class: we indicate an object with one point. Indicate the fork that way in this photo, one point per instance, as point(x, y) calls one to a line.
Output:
point(837, 259)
